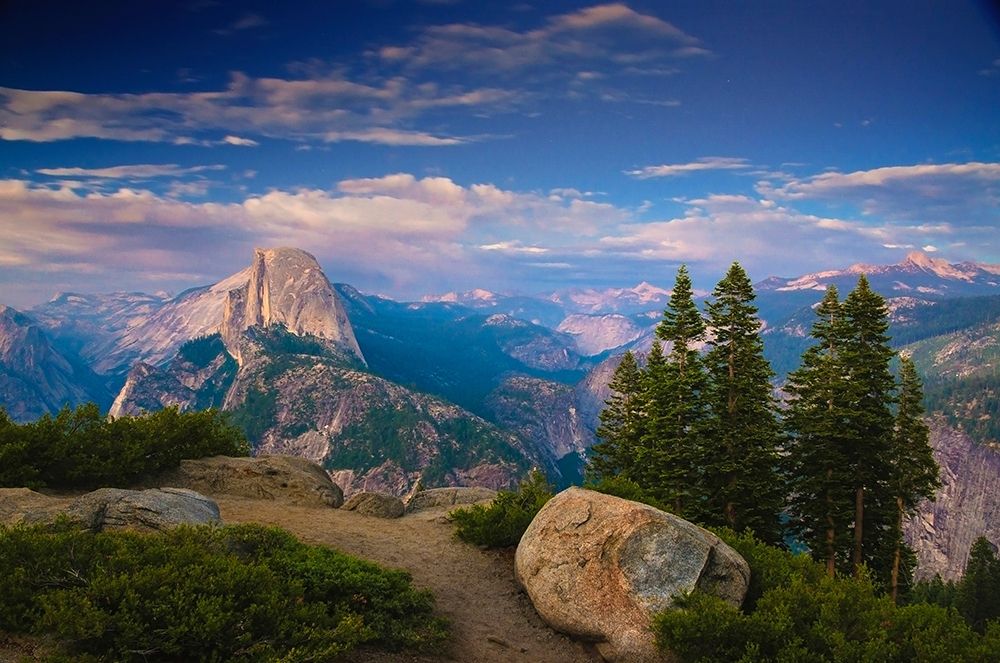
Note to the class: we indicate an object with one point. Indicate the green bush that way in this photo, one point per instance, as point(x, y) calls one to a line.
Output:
point(82, 449)
point(242, 593)
point(501, 523)
point(795, 612)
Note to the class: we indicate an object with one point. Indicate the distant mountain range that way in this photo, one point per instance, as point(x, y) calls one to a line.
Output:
point(463, 388)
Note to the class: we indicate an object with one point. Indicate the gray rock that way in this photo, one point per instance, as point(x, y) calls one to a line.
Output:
point(599, 567)
point(375, 504)
point(292, 480)
point(111, 508)
point(441, 497)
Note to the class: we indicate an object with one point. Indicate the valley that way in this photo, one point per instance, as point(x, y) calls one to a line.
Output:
point(461, 389)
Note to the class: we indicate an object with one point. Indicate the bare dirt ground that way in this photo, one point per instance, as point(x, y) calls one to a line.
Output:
point(492, 620)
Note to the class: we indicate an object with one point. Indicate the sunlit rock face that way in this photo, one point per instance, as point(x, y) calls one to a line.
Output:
point(287, 287)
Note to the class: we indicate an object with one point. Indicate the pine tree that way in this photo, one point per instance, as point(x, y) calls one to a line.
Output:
point(914, 473)
point(645, 472)
point(676, 405)
point(978, 595)
point(815, 422)
point(870, 391)
point(621, 423)
point(741, 478)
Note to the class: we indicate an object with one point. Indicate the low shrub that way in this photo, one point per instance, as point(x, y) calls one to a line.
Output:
point(795, 612)
point(501, 523)
point(241, 593)
point(83, 449)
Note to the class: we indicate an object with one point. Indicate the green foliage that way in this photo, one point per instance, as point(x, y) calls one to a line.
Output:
point(622, 422)
point(677, 405)
point(501, 523)
point(849, 467)
point(241, 593)
point(740, 480)
point(82, 449)
point(794, 611)
point(203, 350)
point(977, 595)
point(394, 433)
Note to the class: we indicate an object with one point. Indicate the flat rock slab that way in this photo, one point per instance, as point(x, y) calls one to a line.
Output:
point(375, 504)
point(110, 508)
point(287, 478)
point(599, 567)
point(441, 497)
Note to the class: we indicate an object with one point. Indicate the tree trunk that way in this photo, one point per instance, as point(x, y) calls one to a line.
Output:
point(859, 528)
point(831, 554)
point(898, 553)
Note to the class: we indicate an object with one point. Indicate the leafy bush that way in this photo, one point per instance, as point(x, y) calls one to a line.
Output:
point(501, 523)
point(242, 593)
point(795, 612)
point(83, 449)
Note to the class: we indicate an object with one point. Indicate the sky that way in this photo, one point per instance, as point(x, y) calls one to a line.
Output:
point(417, 147)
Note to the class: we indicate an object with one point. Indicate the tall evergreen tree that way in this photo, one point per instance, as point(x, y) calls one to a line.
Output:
point(815, 422)
point(870, 389)
point(677, 403)
point(741, 480)
point(621, 425)
point(978, 594)
point(914, 473)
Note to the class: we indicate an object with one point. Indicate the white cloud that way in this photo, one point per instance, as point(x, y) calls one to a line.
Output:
point(580, 49)
point(514, 247)
point(704, 163)
point(130, 172)
point(951, 193)
point(328, 107)
point(929, 248)
point(397, 230)
point(242, 142)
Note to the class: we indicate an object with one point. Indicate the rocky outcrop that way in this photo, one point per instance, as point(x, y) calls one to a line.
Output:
point(287, 287)
point(375, 504)
point(966, 506)
point(292, 480)
point(110, 508)
point(595, 334)
point(542, 411)
point(599, 567)
point(35, 377)
point(196, 378)
point(434, 498)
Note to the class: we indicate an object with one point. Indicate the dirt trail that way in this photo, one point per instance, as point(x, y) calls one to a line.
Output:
point(492, 620)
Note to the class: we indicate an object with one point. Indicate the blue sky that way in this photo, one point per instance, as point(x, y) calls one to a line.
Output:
point(418, 147)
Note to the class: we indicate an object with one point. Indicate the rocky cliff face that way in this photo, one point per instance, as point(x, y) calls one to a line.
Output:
point(966, 507)
point(286, 287)
point(281, 286)
point(544, 412)
point(197, 377)
point(35, 378)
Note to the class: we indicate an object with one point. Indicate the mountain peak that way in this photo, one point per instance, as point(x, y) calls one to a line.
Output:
point(286, 286)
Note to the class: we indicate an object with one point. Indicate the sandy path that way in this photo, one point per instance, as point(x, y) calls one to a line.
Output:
point(491, 619)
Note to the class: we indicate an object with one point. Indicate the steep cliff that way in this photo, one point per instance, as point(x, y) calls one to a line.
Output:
point(35, 378)
point(966, 506)
point(286, 286)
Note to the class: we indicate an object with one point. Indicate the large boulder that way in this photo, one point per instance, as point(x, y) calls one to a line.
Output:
point(375, 504)
point(599, 567)
point(290, 479)
point(110, 508)
point(433, 498)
